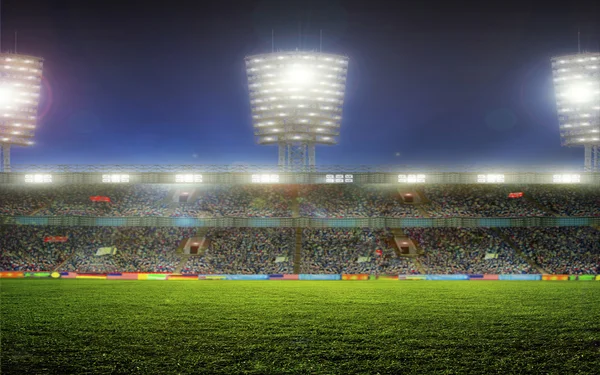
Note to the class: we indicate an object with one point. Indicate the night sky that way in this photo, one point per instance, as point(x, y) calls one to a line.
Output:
point(163, 82)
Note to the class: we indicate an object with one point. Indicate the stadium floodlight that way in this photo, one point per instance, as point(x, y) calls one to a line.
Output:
point(188, 178)
point(20, 82)
point(566, 179)
point(38, 178)
point(339, 178)
point(265, 178)
point(577, 91)
point(490, 178)
point(296, 100)
point(411, 178)
point(115, 178)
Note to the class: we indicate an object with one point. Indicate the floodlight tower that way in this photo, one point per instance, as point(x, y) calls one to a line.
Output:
point(20, 81)
point(577, 91)
point(296, 99)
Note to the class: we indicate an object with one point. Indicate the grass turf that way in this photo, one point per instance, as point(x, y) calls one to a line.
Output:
point(299, 327)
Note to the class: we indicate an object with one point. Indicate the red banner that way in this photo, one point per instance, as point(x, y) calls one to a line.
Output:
point(100, 199)
point(515, 195)
point(56, 239)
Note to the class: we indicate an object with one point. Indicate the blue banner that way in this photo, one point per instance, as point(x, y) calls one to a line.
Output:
point(319, 277)
point(520, 277)
point(185, 222)
point(28, 220)
point(111, 221)
point(447, 277)
point(247, 277)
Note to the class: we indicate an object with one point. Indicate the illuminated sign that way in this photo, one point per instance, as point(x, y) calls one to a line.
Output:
point(490, 178)
point(265, 178)
point(38, 178)
point(188, 178)
point(115, 178)
point(566, 178)
point(411, 178)
point(339, 178)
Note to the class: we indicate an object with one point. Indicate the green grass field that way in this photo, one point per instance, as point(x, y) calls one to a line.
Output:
point(299, 327)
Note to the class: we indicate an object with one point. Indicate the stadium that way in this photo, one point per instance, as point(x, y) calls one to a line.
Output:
point(300, 267)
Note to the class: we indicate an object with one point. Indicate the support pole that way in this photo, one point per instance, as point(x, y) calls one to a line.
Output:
point(5, 157)
point(588, 158)
point(311, 156)
point(282, 147)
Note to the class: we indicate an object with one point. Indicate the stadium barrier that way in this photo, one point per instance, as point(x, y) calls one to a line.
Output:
point(36, 274)
point(283, 277)
point(483, 277)
point(384, 277)
point(247, 277)
point(212, 277)
point(301, 222)
point(447, 277)
point(520, 277)
point(344, 277)
point(556, 277)
point(93, 276)
point(182, 277)
point(11, 275)
point(412, 277)
point(361, 277)
point(303, 276)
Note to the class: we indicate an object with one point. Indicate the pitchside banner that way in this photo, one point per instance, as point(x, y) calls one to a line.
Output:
point(520, 277)
point(319, 277)
point(447, 277)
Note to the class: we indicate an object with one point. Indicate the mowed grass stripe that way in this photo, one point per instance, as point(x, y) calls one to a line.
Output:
point(304, 327)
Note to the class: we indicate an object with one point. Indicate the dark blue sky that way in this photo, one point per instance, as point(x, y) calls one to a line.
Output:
point(163, 81)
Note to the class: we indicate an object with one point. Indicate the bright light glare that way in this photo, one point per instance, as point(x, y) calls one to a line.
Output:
point(300, 75)
point(6, 94)
point(579, 94)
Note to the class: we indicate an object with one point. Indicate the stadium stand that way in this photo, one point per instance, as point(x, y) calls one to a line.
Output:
point(245, 251)
point(564, 250)
point(238, 201)
point(568, 200)
point(138, 249)
point(351, 251)
point(352, 201)
point(477, 201)
point(463, 251)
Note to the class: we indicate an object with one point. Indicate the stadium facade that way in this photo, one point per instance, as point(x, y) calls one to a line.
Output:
point(296, 100)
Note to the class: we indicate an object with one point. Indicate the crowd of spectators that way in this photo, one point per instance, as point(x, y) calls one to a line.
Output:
point(245, 251)
point(138, 249)
point(351, 251)
point(24, 200)
point(477, 201)
point(352, 201)
point(239, 201)
point(22, 248)
point(560, 250)
point(568, 200)
point(125, 200)
point(463, 251)
point(325, 200)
